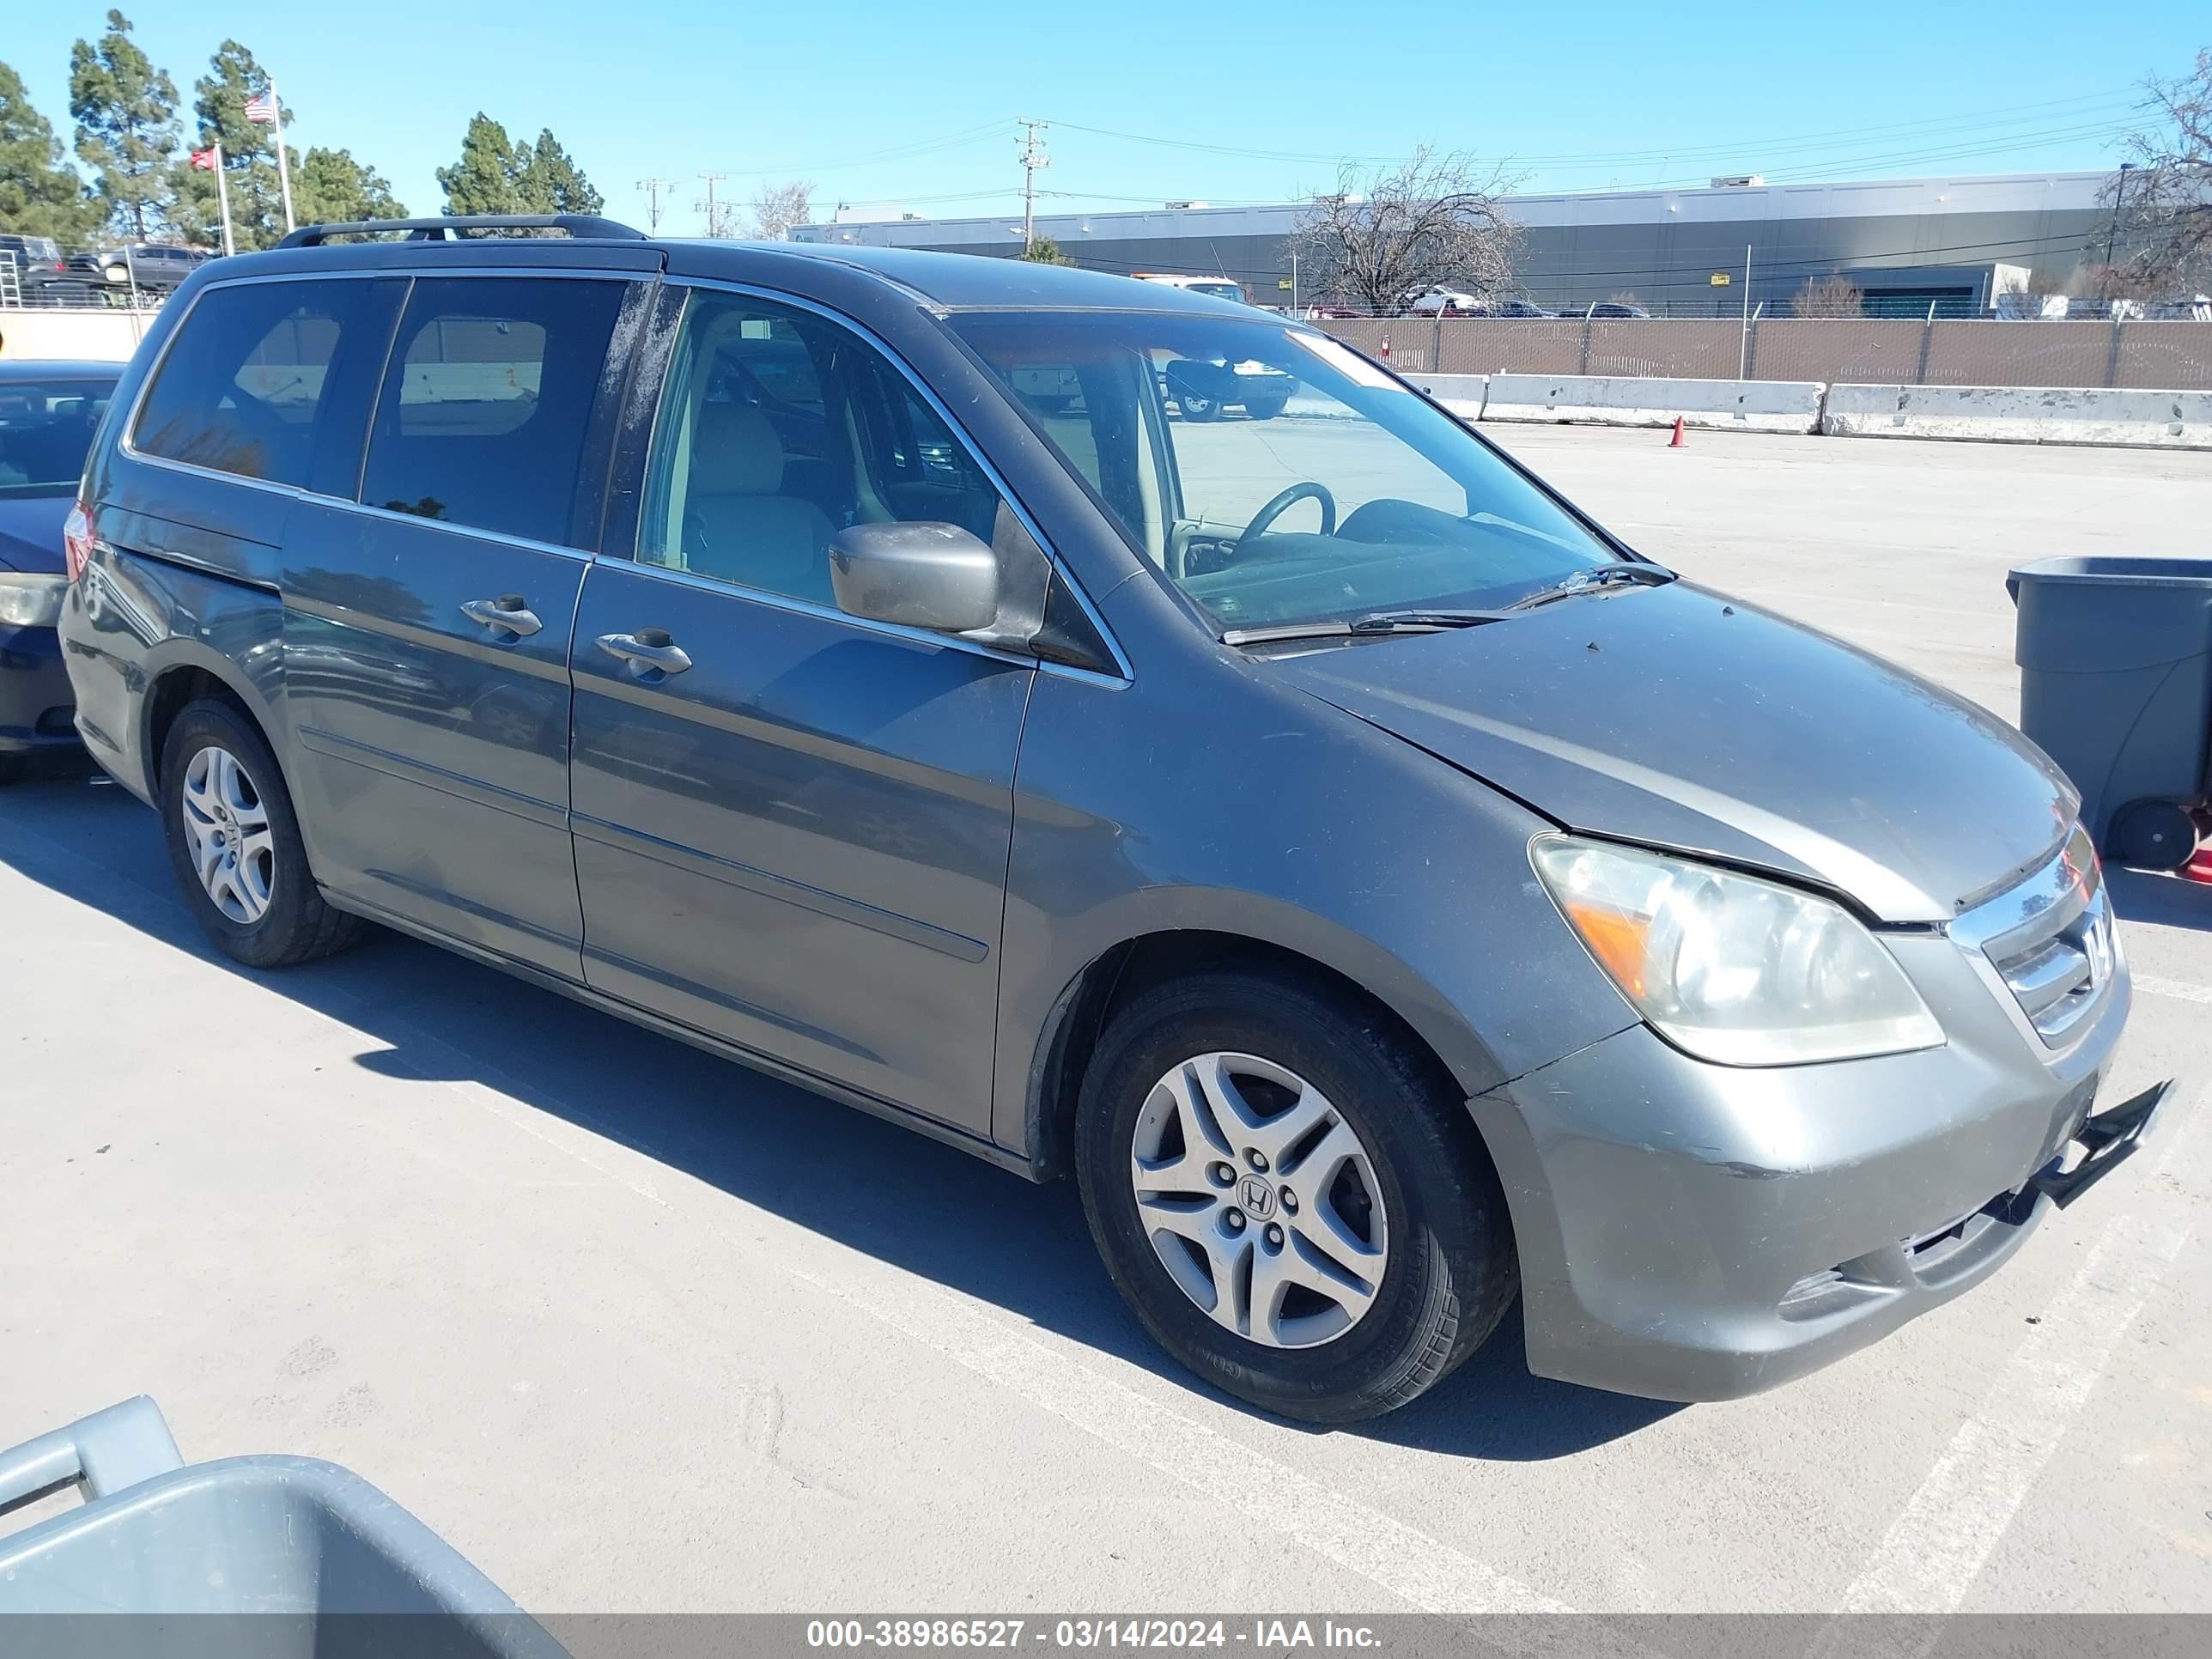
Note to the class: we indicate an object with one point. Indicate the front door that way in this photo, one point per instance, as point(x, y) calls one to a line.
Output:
point(427, 628)
point(791, 826)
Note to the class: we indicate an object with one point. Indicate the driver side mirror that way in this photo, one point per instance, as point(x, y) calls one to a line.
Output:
point(924, 575)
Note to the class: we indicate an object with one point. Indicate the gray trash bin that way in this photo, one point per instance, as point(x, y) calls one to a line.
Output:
point(2115, 653)
point(276, 1556)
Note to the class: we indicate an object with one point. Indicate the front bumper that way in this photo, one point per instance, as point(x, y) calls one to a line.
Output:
point(37, 707)
point(1690, 1231)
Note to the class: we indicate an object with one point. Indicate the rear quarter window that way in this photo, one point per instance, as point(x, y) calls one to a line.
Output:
point(241, 388)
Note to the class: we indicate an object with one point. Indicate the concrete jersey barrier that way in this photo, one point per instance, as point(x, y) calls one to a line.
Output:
point(2026, 414)
point(1462, 394)
point(1619, 401)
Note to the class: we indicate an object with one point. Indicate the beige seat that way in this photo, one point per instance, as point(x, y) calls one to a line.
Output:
point(736, 525)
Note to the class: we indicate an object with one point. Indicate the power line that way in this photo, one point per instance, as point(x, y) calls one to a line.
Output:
point(652, 187)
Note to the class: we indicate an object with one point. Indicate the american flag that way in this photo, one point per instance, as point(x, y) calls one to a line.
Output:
point(262, 111)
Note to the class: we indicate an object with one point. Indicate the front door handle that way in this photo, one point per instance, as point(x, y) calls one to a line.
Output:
point(648, 651)
point(505, 615)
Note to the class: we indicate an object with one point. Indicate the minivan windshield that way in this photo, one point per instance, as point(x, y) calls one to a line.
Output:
point(1274, 475)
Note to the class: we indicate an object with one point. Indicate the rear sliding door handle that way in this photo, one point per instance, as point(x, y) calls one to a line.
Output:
point(505, 615)
point(648, 651)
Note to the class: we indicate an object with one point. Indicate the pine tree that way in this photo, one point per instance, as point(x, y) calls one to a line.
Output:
point(330, 187)
point(551, 182)
point(40, 195)
point(249, 156)
point(483, 180)
point(127, 132)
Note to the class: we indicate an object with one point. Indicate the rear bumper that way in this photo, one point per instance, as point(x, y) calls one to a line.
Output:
point(1690, 1231)
point(37, 708)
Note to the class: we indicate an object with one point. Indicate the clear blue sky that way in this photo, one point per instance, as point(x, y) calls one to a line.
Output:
point(914, 105)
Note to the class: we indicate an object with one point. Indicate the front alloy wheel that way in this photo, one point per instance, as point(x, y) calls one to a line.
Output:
point(1289, 1191)
point(1260, 1200)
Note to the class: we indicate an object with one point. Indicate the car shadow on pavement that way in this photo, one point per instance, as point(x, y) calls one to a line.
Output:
point(920, 1207)
point(2161, 900)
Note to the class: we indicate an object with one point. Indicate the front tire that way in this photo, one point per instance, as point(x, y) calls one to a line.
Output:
point(235, 845)
point(1290, 1196)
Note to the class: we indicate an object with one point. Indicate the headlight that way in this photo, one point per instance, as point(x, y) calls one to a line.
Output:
point(1729, 968)
point(31, 601)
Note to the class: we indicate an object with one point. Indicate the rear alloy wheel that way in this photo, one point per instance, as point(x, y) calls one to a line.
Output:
point(235, 845)
point(1289, 1194)
point(233, 850)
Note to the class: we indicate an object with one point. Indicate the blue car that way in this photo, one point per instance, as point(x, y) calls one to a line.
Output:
point(48, 413)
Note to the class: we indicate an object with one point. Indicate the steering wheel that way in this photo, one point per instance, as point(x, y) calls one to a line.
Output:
point(1283, 503)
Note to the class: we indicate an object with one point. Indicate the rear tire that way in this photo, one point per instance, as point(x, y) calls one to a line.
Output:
point(1411, 1187)
point(234, 843)
point(1196, 405)
point(1266, 409)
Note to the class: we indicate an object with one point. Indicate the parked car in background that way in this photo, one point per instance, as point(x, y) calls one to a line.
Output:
point(48, 413)
point(1202, 390)
point(155, 267)
point(1443, 302)
point(1214, 288)
point(1604, 308)
point(1384, 891)
point(41, 272)
point(1517, 309)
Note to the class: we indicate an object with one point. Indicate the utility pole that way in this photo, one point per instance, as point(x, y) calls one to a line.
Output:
point(711, 207)
point(2119, 194)
point(1032, 158)
point(652, 187)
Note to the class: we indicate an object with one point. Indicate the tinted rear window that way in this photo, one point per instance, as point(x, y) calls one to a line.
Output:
point(484, 408)
point(242, 386)
point(46, 427)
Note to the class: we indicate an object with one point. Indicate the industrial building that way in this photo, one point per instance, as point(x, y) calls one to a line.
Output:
point(1910, 244)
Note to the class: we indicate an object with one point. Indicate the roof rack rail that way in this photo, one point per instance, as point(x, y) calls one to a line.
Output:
point(447, 229)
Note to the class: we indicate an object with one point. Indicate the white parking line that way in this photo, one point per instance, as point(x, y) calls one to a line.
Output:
point(1945, 1535)
point(2153, 986)
point(1410, 1564)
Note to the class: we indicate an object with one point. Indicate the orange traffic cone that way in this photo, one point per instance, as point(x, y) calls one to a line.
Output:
point(1675, 442)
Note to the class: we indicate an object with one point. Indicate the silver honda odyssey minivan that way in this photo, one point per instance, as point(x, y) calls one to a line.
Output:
point(1383, 889)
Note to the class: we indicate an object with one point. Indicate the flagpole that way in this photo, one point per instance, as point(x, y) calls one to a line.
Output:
point(223, 196)
point(283, 171)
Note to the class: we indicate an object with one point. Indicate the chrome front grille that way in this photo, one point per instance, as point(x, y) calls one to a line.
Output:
point(2050, 939)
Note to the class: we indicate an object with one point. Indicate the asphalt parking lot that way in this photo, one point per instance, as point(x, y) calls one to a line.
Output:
point(636, 1329)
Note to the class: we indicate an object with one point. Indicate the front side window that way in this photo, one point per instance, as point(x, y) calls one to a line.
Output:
point(486, 404)
point(240, 387)
point(45, 430)
point(1273, 475)
point(777, 429)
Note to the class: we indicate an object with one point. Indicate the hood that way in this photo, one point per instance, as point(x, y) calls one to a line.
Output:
point(31, 532)
point(1679, 718)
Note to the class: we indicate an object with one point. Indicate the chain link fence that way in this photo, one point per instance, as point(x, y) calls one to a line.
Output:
point(2154, 354)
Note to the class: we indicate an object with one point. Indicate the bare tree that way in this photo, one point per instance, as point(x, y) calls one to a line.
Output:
point(2161, 201)
point(1832, 296)
point(777, 208)
point(1384, 237)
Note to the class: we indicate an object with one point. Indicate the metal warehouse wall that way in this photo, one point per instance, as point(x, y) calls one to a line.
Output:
point(1662, 247)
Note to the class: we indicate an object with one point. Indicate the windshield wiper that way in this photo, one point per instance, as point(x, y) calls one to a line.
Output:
point(1373, 625)
point(1595, 580)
